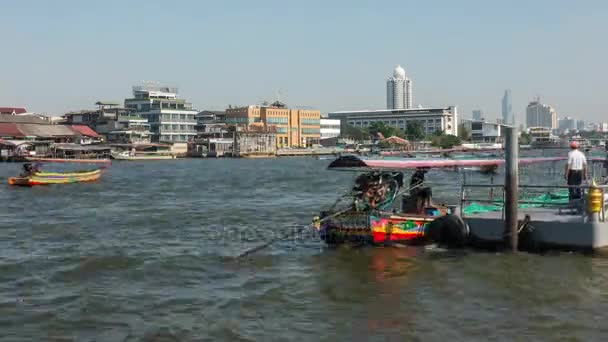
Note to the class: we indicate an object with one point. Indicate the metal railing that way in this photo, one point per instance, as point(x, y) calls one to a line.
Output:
point(584, 200)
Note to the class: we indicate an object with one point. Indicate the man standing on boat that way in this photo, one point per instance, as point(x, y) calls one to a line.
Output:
point(576, 170)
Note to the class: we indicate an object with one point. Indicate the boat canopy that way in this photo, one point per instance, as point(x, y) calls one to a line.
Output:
point(355, 163)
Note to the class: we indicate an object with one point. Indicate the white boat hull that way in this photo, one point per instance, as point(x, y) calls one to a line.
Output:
point(123, 156)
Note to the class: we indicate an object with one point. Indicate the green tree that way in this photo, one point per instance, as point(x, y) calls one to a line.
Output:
point(524, 138)
point(381, 127)
point(438, 133)
point(355, 133)
point(445, 141)
point(414, 130)
point(463, 133)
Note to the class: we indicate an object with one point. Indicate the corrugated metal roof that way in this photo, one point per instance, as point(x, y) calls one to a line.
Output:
point(396, 140)
point(84, 130)
point(46, 131)
point(31, 119)
point(11, 110)
point(10, 130)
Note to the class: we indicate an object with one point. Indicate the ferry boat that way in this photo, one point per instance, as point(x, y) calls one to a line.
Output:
point(126, 155)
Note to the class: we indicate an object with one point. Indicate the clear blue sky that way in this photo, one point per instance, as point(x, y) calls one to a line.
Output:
point(332, 55)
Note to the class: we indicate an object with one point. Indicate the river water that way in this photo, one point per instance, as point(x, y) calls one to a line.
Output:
point(147, 254)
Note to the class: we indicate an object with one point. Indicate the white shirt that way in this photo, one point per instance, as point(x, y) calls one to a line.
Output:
point(576, 160)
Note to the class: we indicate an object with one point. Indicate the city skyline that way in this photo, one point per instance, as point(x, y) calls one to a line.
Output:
point(64, 56)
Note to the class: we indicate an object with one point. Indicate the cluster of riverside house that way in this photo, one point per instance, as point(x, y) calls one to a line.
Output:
point(156, 119)
point(29, 134)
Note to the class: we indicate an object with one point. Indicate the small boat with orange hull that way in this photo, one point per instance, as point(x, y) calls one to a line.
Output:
point(48, 178)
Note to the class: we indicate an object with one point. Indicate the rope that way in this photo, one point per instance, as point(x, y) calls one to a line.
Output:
point(309, 226)
point(521, 225)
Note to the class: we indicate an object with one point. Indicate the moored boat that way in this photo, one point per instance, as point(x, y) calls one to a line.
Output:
point(47, 178)
point(372, 214)
point(126, 155)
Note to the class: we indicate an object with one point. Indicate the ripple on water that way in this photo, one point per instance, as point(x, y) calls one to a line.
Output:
point(147, 254)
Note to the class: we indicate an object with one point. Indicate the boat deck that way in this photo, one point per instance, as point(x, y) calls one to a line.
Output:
point(552, 227)
point(561, 215)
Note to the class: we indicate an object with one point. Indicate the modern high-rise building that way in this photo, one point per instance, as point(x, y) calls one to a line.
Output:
point(478, 115)
point(567, 124)
point(540, 115)
point(399, 90)
point(580, 125)
point(171, 119)
point(507, 109)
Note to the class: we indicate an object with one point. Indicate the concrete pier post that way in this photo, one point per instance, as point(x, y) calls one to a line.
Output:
point(511, 185)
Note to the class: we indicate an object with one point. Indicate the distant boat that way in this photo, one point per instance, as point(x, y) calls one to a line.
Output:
point(126, 155)
point(48, 178)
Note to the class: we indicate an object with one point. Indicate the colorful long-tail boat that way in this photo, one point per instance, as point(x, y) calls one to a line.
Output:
point(47, 178)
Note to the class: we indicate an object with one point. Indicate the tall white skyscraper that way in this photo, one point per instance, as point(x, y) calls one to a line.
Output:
point(399, 90)
point(540, 115)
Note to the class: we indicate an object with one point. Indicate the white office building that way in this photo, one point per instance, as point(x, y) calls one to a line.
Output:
point(483, 131)
point(399, 90)
point(432, 119)
point(171, 119)
point(540, 115)
point(330, 128)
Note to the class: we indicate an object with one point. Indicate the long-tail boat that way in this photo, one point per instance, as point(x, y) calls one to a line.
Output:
point(47, 178)
point(372, 214)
